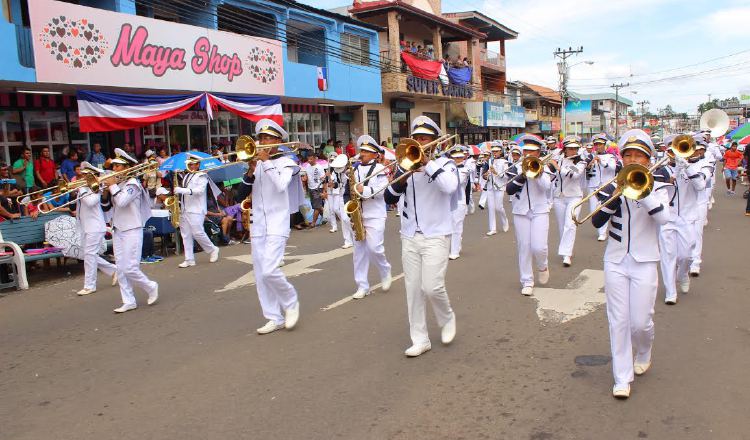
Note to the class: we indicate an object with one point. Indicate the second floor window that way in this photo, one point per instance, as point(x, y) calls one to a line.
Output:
point(355, 49)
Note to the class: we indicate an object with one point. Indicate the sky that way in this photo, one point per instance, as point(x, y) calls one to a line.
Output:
point(672, 52)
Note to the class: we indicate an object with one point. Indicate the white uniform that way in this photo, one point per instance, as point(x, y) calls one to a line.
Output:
point(530, 201)
point(631, 277)
point(336, 199)
point(471, 166)
point(496, 192)
point(600, 173)
point(131, 208)
point(193, 213)
point(713, 155)
point(567, 193)
point(92, 224)
point(459, 214)
point(426, 224)
point(697, 216)
point(371, 249)
point(270, 232)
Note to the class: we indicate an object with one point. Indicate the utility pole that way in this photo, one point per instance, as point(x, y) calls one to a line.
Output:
point(562, 70)
point(617, 88)
point(643, 114)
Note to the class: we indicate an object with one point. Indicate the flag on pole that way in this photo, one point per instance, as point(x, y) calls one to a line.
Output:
point(323, 78)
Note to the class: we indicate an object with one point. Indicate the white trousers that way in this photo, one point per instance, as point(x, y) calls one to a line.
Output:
point(333, 205)
point(127, 247)
point(630, 287)
point(459, 215)
point(697, 228)
point(472, 205)
point(483, 199)
point(495, 204)
point(425, 261)
point(675, 247)
point(565, 226)
point(531, 239)
point(91, 244)
point(191, 228)
point(369, 250)
point(593, 204)
point(275, 293)
point(337, 206)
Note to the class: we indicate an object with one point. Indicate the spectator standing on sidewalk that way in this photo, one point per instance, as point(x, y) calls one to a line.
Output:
point(732, 159)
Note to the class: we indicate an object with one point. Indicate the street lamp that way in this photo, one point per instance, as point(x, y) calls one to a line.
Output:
point(565, 71)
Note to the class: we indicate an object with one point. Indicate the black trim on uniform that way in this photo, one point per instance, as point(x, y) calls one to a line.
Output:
point(658, 209)
point(615, 236)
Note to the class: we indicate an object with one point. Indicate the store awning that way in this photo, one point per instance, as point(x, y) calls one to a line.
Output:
point(104, 111)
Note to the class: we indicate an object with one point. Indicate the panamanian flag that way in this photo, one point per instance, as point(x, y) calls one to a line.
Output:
point(323, 78)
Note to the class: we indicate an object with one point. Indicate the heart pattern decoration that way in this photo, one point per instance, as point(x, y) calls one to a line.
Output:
point(77, 44)
point(262, 63)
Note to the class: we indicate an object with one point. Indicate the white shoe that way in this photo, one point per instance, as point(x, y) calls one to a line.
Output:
point(670, 301)
point(214, 256)
point(527, 291)
point(125, 307)
point(566, 261)
point(270, 327)
point(360, 293)
point(153, 295)
point(621, 391)
point(346, 246)
point(332, 230)
point(453, 257)
point(602, 237)
point(291, 316)
point(640, 368)
point(544, 276)
point(695, 272)
point(684, 285)
point(416, 350)
point(282, 263)
point(114, 279)
point(85, 291)
point(185, 264)
point(491, 233)
point(385, 284)
point(506, 226)
point(449, 331)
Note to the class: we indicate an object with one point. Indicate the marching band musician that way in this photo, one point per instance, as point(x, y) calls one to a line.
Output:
point(492, 172)
point(569, 173)
point(275, 193)
point(93, 225)
point(601, 170)
point(530, 201)
point(426, 224)
point(698, 217)
point(373, 217)
point(630, 266)
point(192, 194)
point(471, 166)
point(464, 187)
point(131, 208)
point(336, 198)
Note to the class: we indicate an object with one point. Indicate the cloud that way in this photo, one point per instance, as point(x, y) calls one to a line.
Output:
point(728, 23)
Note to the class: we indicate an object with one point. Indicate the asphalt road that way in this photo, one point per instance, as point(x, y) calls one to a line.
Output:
point(192, 367)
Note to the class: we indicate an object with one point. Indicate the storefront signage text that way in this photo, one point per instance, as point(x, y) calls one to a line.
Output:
point(431, 87)
point(499, 115)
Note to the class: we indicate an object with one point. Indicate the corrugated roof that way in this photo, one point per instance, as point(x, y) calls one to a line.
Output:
point(544, 92)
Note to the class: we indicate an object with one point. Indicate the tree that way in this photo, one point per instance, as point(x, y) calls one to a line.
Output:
point(706, 106)
point(667, 111)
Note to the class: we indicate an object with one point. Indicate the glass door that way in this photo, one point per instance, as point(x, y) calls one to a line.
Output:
point(178, 138)
point(198, 137)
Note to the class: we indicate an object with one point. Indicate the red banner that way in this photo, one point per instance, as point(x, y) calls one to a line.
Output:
point(422, 68)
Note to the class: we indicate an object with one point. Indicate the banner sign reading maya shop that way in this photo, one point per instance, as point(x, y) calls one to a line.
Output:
point(80, 45)
point(578, 111)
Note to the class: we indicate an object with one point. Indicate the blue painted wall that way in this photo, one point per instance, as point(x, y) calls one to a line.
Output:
point(346, 82)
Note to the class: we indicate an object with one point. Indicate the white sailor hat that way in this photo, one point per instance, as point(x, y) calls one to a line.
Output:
point(516, 149)
point(269, 127)
point(550, 140)
point(149, 153)
point(700, 142)
point(368, 143)
point(192, 158)
point(496, 147)
point(424, 125)
point(571, 141)
point(530, 142)
point(637, 139)
point(599, 139)
point(123, 158)
point(162, 191)
point(457, 152)
point(339, 161)
point(88, 168)
point(505, 142)
point(668, 139)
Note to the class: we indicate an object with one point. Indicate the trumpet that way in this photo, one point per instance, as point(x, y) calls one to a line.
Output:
point(409, 157)
point(636, 181)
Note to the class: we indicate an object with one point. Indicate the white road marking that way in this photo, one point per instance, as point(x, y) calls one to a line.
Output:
point(582, 296)
point(346, 299)
point(302, 266)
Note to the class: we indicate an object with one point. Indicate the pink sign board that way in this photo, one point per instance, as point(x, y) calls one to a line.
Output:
point(80, 45)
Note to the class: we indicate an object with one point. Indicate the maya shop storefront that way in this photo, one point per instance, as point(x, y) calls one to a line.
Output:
point(178, 86)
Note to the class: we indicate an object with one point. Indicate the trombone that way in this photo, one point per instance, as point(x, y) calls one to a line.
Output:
point(63, 187)
point(246, 149)
point(409, 157)
point(532, 167)
point(636, 181)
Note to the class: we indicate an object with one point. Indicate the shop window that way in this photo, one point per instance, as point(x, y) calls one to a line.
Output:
point(224, 128)
point(399, 125)
point(49, 129)
point(11, 135)
point(373, 124)
point(246, 22)
point(308, 128)
point(154, 136)
point(306, 43)
point(355, 49)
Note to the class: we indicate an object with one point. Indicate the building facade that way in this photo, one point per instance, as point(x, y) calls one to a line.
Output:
point(543, 107)
point(323, 66)
point(587, 114)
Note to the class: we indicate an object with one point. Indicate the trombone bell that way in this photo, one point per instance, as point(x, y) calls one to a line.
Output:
point(636, 181)
point(409, 154)
point(683, 146)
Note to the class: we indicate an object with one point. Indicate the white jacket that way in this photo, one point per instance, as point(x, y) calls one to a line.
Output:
point(129, 204)
point(495, 181)
point(372, 207)
point(89, 211)
point(603, 171)
point(530, 195)
point(270, 183)
point(568, 178)
point(690, 184)
point(193, 193)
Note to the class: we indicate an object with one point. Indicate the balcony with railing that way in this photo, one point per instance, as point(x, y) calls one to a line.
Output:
point(492, 60)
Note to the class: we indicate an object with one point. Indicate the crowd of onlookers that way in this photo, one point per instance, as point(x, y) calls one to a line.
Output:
point(428, 53)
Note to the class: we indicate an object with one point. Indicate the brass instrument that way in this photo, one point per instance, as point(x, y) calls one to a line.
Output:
point(636, 181)
point(715, 120)
point(172, 203)
point(353, 207)
point(532, 167)
point(245, 204)
point(63, 187)
point(245, 149)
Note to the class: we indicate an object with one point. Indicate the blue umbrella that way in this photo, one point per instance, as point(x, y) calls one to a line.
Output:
point(177, 162)
point(227, 173)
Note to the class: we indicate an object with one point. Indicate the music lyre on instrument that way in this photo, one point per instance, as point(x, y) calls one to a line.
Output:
point(636, 181)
